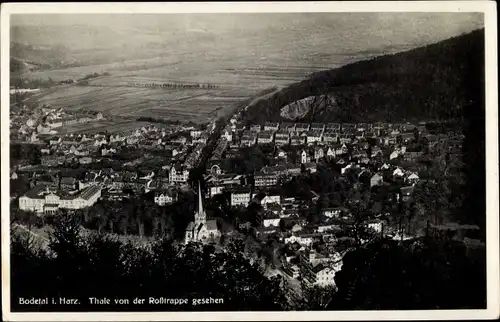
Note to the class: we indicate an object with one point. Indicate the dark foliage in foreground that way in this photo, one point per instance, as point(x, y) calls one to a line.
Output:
point(98, 266)
point(422, 274)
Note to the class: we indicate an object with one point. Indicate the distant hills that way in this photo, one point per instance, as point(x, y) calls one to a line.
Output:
point(431, 82)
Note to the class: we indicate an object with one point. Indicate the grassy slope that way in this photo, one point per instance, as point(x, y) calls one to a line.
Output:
point(423, 83)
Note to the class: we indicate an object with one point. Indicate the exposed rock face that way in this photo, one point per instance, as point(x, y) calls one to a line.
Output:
point(307, 106)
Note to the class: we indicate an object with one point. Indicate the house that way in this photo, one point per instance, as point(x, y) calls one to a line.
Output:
point(248, 140)
point(287, 126)
point(196, 133)
point(265, 137)
point(240, 197)
point(271, 219)
point(264, 180)
point(330, 153)
point(313, 136)
point(318, 127)
point(412, 178)
point(164, 197)
point(68, 183)
point(42, 199)
point(345, 138)
point(304, 157)
point(332, 212)
point(215, 190)
point(271, 126)
point(296, 140)
point(227, 134)
point(333, 127)
point(319, 153)
point(330, 137)
point(310, 167)
point(412, 155)
point(324, 275)
point(398, 172)
point(48, 160)
point(282, 137)
point(406, 193)
point(394, 154)
point(178, 174)
point(302, 127)
point(376, 180)
point(341, 149)
point(85, 160)
point(255, 128)
point(281, 154)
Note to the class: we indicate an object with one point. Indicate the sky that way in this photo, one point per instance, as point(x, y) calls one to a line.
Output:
point(277, 39)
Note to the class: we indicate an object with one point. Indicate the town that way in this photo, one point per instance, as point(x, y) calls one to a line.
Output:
point(311, 190)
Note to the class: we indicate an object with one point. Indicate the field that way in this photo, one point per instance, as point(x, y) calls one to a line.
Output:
point(125, 93)
point(111, 126)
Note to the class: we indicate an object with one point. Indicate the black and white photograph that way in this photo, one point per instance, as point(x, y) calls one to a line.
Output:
point(323, 160)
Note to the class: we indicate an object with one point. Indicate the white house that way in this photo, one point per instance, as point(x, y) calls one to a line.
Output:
point(163, 198)
point(240, 198)
point(304, 240)
point(43, 200)
point(394, 155)
point(413, 178)
point(271, 219)
point(398, 172)
point(177, 174)
point(215, 190)
point(325, 276)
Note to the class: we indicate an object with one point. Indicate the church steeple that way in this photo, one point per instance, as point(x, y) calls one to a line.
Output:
point(200, 216)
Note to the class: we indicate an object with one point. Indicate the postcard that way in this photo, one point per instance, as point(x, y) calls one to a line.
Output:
point(249, 161)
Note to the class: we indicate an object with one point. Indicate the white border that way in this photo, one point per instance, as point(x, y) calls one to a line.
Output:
point(487, 7)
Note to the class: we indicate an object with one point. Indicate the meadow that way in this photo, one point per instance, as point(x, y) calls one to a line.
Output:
point(128, 92)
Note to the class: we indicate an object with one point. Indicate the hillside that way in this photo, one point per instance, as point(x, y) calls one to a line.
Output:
point(431, 82)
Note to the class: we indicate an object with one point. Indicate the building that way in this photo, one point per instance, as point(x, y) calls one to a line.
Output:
point(201, 229)
point(302, 127)
point(304, 157)
point(325, 276)
point(319, 127)
point(333, 126)
point(248, 139)
point(376, 180)
point(271, 219)
point(42, 199)
point(255, 128)
point(330, 137)
point(313, 136)
point(296, 140)
point(165, 197)
point(271, 126)
point(265, 179)
point(287, 126)
point(319, 153)
point(265, 137)
point(282, 137)
point(240, 197)
point(178, 174)
point(68, 183)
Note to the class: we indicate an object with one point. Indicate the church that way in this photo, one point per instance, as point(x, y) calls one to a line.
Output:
point(201, 230)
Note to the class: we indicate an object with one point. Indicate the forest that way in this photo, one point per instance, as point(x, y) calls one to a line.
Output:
point(427, 83)
point(434, 273)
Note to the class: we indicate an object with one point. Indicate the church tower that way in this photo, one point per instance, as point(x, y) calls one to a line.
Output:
point(200, 216)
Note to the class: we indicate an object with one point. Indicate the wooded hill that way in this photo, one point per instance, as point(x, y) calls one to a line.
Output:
point(431, 82)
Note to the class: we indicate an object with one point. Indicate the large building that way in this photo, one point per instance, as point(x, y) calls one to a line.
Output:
point(201, 229)
point(43, 199)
